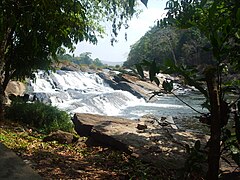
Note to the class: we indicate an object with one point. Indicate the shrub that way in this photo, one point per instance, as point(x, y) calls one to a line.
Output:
point(44, 117)
point(93, 67)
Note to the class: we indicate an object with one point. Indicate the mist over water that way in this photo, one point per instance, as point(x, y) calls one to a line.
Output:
point(87, 93)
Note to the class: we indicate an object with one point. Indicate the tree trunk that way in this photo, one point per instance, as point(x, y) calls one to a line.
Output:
point(214, 142)
point(2, 103)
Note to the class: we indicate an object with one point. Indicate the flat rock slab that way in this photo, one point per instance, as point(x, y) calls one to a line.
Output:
point(144, 138)
point(13, 167)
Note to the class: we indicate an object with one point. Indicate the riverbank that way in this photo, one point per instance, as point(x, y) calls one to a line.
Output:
point(52, 160)
point(83, 159)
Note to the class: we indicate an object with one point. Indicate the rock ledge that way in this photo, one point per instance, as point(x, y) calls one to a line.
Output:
point(148, 138)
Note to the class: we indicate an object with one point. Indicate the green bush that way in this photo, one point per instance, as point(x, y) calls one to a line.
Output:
point(44, 117)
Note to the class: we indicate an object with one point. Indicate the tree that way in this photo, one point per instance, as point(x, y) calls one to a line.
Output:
point(183, 45)
point(219, 22)
point(85, 58)
point(97, 62)
point(33, 31)
point(155, 44)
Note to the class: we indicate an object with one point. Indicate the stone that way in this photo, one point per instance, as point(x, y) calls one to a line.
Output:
point(162, 146)
point(169, 119)
point(13, 167)
point(133, 84)
point(15, 88)
point(61, 137)
point(141, 126)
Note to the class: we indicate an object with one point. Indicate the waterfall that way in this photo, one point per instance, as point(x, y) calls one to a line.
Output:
point(80, 92)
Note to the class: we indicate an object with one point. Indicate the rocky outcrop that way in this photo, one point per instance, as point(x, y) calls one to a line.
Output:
point(132, 84)
point(66, 66)
point(149, 138)
point(15, 88)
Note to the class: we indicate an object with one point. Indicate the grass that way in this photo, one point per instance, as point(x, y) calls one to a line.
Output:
point(75, 161)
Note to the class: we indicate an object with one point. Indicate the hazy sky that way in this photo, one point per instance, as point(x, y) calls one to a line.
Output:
point(138, 27)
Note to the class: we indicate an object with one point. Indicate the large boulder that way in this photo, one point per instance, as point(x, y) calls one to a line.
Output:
point(15, 88)
point(132, 84)
point(145, 138)
point(61, 137)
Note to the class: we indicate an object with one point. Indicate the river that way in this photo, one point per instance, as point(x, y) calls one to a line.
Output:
point(84, 92)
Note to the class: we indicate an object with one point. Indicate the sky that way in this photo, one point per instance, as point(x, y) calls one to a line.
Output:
point(138, 27)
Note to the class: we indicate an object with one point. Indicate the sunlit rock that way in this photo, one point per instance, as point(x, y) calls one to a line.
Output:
point(160, 145)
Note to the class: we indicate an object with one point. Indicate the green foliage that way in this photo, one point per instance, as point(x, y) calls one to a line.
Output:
point(82, 59)
point(195, 163)
point(167, 85)
point(97, 62)
point(219, 22)
point(32, 32)
point(184, 46)
point(140, 70)
point(44, 117)
point(117, 66)
point(231, 139)
point(230, 146)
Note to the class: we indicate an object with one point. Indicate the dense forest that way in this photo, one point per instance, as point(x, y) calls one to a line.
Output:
point(185, 46)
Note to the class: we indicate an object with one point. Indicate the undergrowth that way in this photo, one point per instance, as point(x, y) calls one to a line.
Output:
point(73, 161)
point(45, 118)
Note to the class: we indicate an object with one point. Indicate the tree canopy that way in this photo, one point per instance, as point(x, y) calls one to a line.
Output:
point(32, 32)
point(186, 46)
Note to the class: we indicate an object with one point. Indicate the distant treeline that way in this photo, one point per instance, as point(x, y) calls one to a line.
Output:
point(184, 46)
point(82, 59)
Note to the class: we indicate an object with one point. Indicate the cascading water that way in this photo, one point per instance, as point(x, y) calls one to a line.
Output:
point(80, 92)
point(87, 93)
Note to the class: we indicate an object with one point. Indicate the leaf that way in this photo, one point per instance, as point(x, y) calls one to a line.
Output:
point(156, 80)
point(131, 6)
point(167, 85)
point(237, 34)
point(169, 63)
point(228, 133)
point(144, 2)
point(146, 63)
point(203, 2)
point(197, 145)
point(238, 15)
point(153, 70)
point(188, 149)
point(140, 70)
point(236, 158)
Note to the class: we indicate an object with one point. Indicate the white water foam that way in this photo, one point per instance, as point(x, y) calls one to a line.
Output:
point(87, 93)
point(81, 92)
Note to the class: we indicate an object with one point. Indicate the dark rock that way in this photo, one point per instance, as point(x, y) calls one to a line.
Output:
point(132, 84)
point(61, 137)
point(69, 68)
point(13, 167)
point(141, 126)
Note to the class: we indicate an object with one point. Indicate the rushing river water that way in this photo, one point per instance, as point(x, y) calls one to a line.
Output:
point(87, 93)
